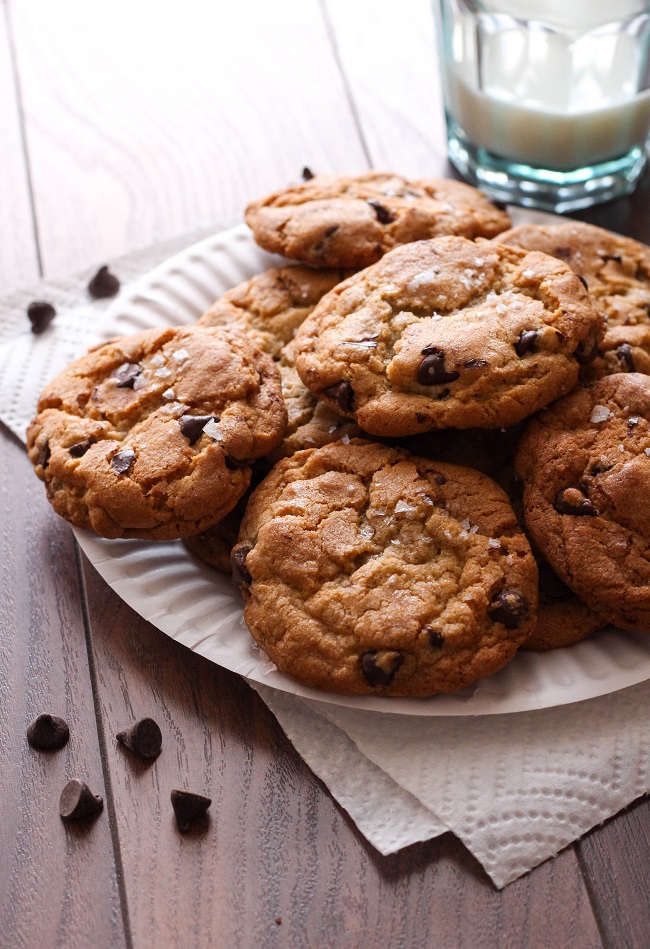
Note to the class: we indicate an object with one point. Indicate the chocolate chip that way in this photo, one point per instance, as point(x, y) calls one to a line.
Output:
point(78, 801)
point(572, 500)
point(192, 426)
point(343, 394)
point(625, 357)
point(509, 608)
point(103, 284)
point(40, 315)
point(586, 351)
point(439, 479)
point(48, 732)
point(379, 667)
point(615, 257)
point(582, 281)
point(476, 364)
point(187, 807)
point(564, 253)
point(80, 448)
point(431, 371)
point(240, 574)
point(122, 461)
point(44, 455)
point(331, 230)
point(632, 423)
point(143, 737)
point(436, 639)
point(550, 584)
point(526, 342)
point(126, 375)
point(307, 174)
point(601, 465)
point(444, 394)
point(384, 216)
point(420, 417)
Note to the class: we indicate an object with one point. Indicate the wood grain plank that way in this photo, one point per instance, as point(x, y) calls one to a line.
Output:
point(389, 59)
point(18, 255)
point(146, 120)
point(277, 845)
point(58, 884)
point(615, 859)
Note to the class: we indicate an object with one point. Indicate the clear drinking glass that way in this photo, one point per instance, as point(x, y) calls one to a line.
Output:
point(547, 101)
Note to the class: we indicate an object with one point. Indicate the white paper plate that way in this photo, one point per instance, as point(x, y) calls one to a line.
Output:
point(201, 609)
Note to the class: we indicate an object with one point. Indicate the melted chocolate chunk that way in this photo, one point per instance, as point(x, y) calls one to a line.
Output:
point(126, 375)
point(431, 371)
point(307, 174)
point(188, 807)
point(48, 733)
point(476, 364)
point(625, 357)
point(384, 216)
point(343, 394)
point(572, 500)
point(144, 738)
point(376, 674)
point(40, 315)
point(526, 342)
point(240, 573)
point(509, 608)
point(78, 801)
point(44, 455)
point(122, 461)
point(80, 448)
point(192, 426)
point(436, 639)
point(550, 584)
point(103, 284)
point(586, 351)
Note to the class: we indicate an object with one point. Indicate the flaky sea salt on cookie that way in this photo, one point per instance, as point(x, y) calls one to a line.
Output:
point(152, 435)
point(448, 333)
point(366, 570)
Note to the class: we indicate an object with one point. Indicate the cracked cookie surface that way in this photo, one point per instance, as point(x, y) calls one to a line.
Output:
point(152, 435)
point(366, 570)
point(585, 466)
point(448, 333)
point(352, 221)
point(617, 272)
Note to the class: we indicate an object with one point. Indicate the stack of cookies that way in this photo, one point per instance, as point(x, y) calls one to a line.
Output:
point(411, 469)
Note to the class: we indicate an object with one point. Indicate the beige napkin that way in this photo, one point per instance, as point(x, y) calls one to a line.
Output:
point(515, 788)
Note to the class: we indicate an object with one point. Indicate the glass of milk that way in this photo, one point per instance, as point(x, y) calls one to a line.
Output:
point(547, 101)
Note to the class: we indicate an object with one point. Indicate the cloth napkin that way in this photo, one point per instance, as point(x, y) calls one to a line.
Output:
point(514, 788)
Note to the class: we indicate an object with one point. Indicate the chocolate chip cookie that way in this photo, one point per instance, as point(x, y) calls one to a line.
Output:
point(152, 435)
point(366, 570)
point(448, 333)
point(585, 465)
point(617, 273)
point(352, 221)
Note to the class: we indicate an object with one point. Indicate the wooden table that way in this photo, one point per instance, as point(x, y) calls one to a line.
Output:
point(122, 124)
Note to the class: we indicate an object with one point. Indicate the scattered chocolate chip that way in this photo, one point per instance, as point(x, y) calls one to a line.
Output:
point(122, 461)
point(379, 667)
point(80, 448)
point(582, 281)
point(632, 423)
point(601, 465)
point(192, 426)
point(550, 584)
point(476, 364)
point(444, 394)
point(44, 455)
point(586, 351)
point(526, 342)
point(560, 336)
point(240, 574)
point(126, 375)
point(103, 284)
point(278, 921)
point(40, 315)
point(572, 500)
point(343, 394)
point(439, 479)
point(384, 216)
point(615, 257)
point(436, 639)
point(48, 732)
point(307, 174)
point(625, 357)
point(509, 608)
point(331, 230)
point(431, 371)
point(187, 807)
point(143, 737)
point(78, 801)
